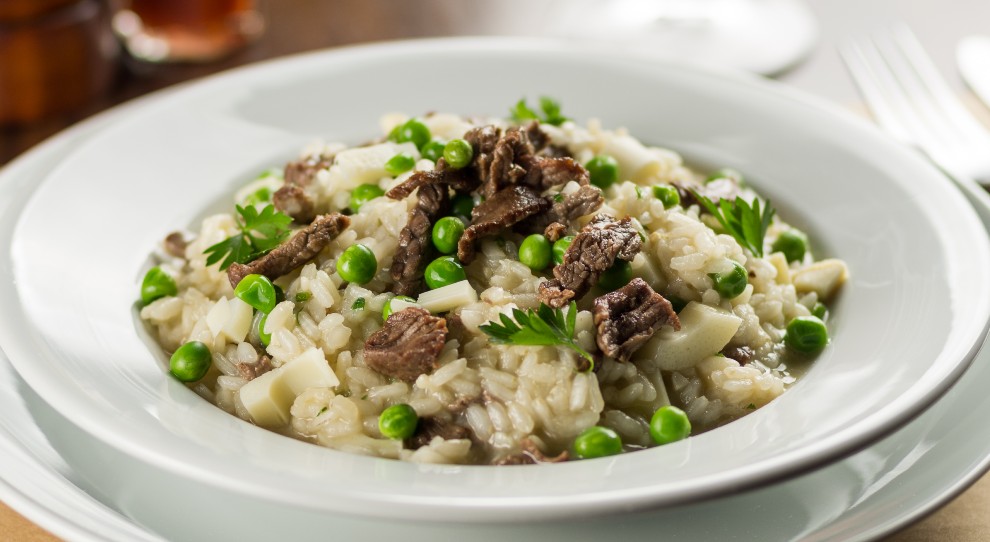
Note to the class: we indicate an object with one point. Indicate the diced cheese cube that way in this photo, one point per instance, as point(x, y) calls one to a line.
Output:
point(308, 370)
point(823, 278)
point(268, 399)
point(704, 331)
point(238, 321)
point(448, 297)
point(218, 316)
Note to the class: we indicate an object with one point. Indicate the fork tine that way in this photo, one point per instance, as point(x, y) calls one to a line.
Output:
point(891, 107)
point(942, 95)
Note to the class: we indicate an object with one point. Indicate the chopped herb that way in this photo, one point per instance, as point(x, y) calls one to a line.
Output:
point(751, 406)
point(521, 112)
point(364, 397)
point(543, 326)
point(302, 297)
point(322, 410)
point(358, 304)
point(558, 198)
point(260, 233)
point(743, 221)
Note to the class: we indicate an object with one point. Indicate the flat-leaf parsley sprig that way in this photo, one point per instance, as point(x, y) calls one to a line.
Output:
point(521, 112)
point(260, 233)
point(746, 222)
point(541, 327)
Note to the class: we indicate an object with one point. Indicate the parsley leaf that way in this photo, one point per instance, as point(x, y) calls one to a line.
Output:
point(746, 222)
point(260, 233)
point(541, 327)
point(358, 304)
point(521, 112)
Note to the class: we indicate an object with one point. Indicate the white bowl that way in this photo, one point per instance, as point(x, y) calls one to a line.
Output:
point(906, 326)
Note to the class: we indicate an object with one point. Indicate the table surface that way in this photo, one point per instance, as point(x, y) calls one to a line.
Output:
point(303, 25)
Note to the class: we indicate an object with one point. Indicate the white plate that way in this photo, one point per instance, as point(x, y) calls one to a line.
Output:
point(882, 488)
point(916, 250)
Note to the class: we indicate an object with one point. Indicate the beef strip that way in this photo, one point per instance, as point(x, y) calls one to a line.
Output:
point(626, 318)
point(415, 243)
point(250, 371)
point(299, 249)
point(554, 231)
point(742, 354)
point(431, 427)
point(582, 202)
point(557, 171)
point(501, 211)
point(483, 140)
point(407, 346)
point(592, 252)
point(531, 455)
point(462, 180)
point(175, 244)
point(296, 197)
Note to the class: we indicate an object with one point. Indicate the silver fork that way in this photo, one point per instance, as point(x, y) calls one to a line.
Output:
point(912, 102)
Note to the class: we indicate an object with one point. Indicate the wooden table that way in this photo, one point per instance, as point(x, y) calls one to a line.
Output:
point(303, 25)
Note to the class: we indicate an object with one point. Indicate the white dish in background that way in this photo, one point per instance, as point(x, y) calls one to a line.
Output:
point(913, 245)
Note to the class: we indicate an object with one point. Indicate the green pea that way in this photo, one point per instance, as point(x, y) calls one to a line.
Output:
point(387, 309)
point(604, 170)
point(792, 243)
point(357, 264)
point(399, 164)
point(535, 252)
point(560, 246)
point(257, 291)
point(446, 233)
point(413, 130)
point(433, 150)
point(443, 271)
point(667, 195)
point(726, 173)
point(363, 194)
point(462, 205)
point(669, 424)
point(261, 195)
point(731, 284)
point(616, 277)
point(157, 284)
point(458, 153)
point(398, 422)
point(266, 338)
point(819, 311)
point(806, 334)
point(597, 441)
point(190, 361)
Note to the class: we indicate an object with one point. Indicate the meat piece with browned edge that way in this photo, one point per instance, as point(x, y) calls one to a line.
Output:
point(175, 244)
point(299, 249)
point(461, 180)
point(415, 242)
point(626, 318)
point(296, 197)
point(408, 345)
point(531, 455)
point(431, 427)
point(582, 202)
point(497, 213)
point(592, 252)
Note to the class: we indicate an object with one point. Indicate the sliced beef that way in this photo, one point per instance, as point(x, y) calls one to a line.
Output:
point(582, 202)
point(299, 249)
point(742, 354)
point(462, 180)
point(511, 159)
point(629, 316)
point(415, 244)
point(296, 197)
point(175, 244)
point(431, 427)
point(537, 137)
point(250, 371)
point(483, 140)
point(531, 455)
point(592, 252)
point(499, 212)
point(554, 231)
point(558, 171)
point(408, 345)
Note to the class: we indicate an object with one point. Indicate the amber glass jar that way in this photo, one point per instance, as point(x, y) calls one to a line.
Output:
point(56, 56)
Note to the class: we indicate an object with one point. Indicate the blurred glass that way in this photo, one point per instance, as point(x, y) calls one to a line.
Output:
point(187, 30)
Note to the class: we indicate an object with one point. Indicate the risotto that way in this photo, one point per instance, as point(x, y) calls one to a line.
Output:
point(491, 291)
